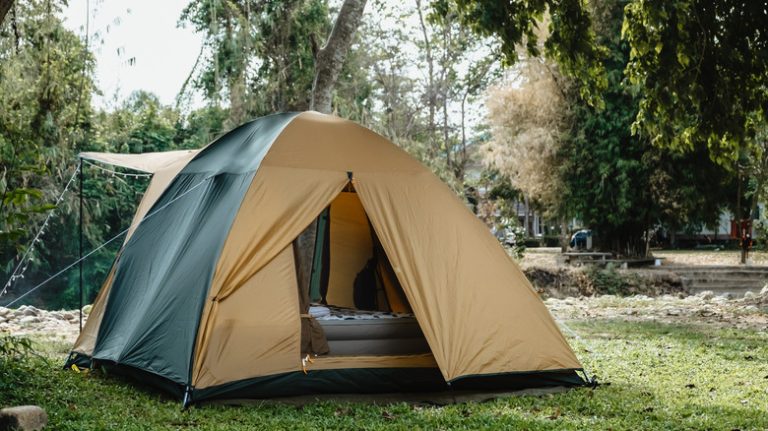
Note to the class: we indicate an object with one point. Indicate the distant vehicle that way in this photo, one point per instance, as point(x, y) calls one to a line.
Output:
point(581, 240)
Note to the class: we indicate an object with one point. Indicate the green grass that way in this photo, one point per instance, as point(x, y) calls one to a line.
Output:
point(661, 377)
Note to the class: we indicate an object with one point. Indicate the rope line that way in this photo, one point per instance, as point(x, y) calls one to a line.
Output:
point(16, 274)
point(113, 172)
point(104, 244)
point(590, 377)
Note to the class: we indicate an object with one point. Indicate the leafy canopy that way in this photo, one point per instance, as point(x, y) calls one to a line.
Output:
point(703, 65)
point(571, 39)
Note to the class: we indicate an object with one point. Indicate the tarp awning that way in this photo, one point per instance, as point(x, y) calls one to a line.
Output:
point(146, 162)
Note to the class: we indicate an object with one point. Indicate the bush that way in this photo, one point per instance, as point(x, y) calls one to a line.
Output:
point(608, 281)
point(551, 241)
point(532, 242)
point(14, 348)
point(14, 352)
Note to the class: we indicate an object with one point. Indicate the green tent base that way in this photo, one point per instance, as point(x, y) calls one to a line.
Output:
point(343, 381)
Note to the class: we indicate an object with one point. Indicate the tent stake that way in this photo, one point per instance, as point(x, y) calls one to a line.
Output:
point(82, 169)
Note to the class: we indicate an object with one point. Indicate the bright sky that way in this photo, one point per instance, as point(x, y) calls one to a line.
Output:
point(139, 46)
point(143, 30)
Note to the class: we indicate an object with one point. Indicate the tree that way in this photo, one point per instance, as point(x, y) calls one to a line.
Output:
point(570, 41)
point(704, 69)
point(577, 160)
point(424, 84)
point(43, 69)
point(257, 55)
point(529, 117)
point(619, 184)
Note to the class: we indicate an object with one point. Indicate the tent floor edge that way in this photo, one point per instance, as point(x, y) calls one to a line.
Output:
point(318, 382)
point(145, 379)
point(382, 381)
point(521, 380)
point(339, 381)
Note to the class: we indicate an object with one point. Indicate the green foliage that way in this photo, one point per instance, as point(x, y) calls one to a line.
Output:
point(261, 53)
point(14, 348)
point(617, 183)
point(14, 353)
point(41, 74)
point(45, 90)
point(571, 42)
point(704, 68)
point(609, 281)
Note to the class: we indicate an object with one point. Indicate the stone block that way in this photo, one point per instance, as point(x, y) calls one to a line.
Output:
point(23, 418)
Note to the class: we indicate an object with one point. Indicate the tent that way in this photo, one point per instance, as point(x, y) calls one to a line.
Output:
point(207, 298)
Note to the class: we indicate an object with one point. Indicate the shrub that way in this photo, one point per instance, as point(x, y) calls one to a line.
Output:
point(14, 348)
point(608, 281)
point(532, 243)
point(14, 352)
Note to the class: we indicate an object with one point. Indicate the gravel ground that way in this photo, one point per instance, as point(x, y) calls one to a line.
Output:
point(726, 257)
point(748, 312)
point(62, 326)
point(548, 257)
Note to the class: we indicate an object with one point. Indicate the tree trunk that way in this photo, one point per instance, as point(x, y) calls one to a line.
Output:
point(328, 64)
point(430, 90)
point(740, 219)
point(760, 183)
point(563, 235)
point(330, 58)
point(5, 6)
point(527, 218)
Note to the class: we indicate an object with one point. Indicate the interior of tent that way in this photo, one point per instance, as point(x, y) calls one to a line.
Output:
point(354, 294)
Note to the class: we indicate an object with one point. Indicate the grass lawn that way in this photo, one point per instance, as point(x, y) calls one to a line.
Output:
point(661, 377)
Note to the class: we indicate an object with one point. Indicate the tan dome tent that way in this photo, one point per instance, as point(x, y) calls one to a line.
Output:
point(206, 301)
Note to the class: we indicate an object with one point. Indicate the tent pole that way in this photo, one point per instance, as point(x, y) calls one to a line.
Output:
point(82, 168)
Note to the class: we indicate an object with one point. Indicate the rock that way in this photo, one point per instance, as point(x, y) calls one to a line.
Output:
point(693, 299)
point(706, 295)
point(751, 309)
point(720, 299)
point(57, 315)
point(764, 291)
point(24, 418)
point(28, 320)
point(4, 312)
point(749, 294)
point(87, 309)
point(30, 311)
point(69, 316)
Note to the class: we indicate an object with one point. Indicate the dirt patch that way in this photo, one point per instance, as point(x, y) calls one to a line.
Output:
point(588, 281)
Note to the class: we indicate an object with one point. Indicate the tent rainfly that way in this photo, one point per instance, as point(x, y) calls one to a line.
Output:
point(404, 288)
